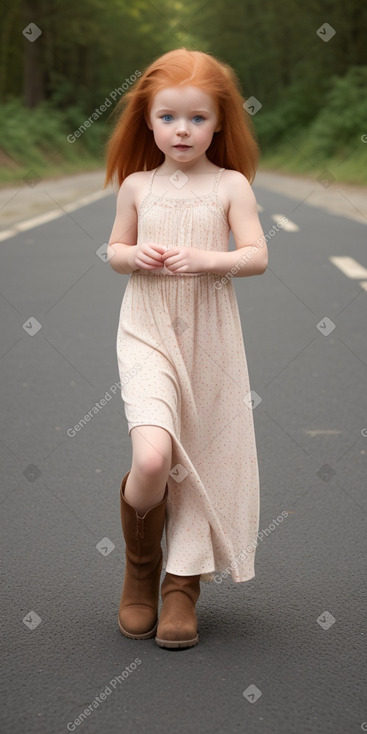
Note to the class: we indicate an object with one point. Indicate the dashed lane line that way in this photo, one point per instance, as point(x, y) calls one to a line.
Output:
point(288, 226)
point(53, 214)
point(350, 267)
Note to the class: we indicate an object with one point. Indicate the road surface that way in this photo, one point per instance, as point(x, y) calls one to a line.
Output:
point(282, 653)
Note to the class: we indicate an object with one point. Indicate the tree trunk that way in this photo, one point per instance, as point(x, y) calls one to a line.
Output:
point(33, 77)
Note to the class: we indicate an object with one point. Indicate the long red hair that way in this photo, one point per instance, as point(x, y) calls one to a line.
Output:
point(132, 147)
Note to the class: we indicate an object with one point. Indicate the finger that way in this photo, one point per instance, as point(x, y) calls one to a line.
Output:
point(147, 267)
point(157, 249)
point(156, 252)
point(154, 259)
point(171, 251)
point(172, 261)
point(148, 261)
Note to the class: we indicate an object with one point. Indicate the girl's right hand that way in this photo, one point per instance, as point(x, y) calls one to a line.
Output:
point(148, 256)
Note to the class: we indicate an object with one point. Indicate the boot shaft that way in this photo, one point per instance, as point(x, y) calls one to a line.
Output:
point(189, 585)
point(142, 534)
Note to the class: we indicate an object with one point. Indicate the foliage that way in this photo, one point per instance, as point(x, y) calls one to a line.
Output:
point(343, 118)
point(36, 140)
point(309, 89)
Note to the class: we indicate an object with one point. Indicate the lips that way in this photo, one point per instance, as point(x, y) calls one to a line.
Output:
point(182, 147)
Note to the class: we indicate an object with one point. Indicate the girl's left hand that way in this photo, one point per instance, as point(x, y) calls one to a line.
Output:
point(185, 260)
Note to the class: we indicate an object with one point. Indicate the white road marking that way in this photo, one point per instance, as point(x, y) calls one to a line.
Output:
point(363, 284)
point(6, 234)
point(49, 216)
point(288, 226)
point(349, 267)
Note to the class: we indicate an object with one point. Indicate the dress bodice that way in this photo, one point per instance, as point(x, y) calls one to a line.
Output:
point(198, 221)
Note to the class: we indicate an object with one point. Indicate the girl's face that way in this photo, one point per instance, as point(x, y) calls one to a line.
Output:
point(184, 116)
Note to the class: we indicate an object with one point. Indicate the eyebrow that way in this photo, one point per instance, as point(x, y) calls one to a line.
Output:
point(166, 109)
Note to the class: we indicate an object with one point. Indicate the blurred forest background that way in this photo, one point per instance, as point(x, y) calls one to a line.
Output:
point(311, 84)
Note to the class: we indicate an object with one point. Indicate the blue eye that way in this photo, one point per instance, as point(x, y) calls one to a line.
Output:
point(195, 116)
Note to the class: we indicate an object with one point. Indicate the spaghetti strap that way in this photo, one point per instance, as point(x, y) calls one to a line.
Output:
point(151, 180)
point(216, 180)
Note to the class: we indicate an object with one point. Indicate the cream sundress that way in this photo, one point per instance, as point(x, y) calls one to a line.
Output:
point(183, 367)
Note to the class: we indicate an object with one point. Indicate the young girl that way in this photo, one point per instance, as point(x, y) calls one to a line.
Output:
point(184, 154)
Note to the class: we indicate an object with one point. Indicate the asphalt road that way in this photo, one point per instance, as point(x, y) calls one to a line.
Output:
point(282, 653)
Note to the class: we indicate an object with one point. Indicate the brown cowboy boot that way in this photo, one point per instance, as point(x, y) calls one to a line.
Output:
point(177, 627)
point(138, 611)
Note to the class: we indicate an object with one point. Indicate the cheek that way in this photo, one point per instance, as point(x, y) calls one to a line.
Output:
point(161, 133)
point(204, 134)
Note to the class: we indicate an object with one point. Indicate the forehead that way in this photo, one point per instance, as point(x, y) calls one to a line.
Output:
point(183, 97)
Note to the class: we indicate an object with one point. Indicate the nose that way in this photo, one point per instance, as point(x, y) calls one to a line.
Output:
point(182, 128)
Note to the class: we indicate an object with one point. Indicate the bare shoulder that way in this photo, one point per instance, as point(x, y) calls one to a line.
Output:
point(128, 185)
point(137, 183)
point(239, 189)
point(235, 179)
point(134, 180)
point(230, 183)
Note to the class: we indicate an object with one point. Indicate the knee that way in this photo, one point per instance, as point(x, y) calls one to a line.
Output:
point(152, 464)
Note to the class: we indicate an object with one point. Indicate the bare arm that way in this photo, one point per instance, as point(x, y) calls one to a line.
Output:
point(124, 255)
point(251, 254)
point(122, 242)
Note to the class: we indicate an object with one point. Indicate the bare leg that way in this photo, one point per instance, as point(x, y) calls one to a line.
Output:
point(151, 464)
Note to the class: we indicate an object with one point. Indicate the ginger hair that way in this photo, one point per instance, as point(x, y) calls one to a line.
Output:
point(131, 146)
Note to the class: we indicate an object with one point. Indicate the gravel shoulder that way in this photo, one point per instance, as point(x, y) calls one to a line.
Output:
point(38, 197)
point(337, 198)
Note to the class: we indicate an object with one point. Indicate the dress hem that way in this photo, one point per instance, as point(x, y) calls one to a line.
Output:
point(208, 577)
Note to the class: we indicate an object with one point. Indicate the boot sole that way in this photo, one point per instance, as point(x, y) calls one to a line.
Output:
point(177, 644)
point(141, 636)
